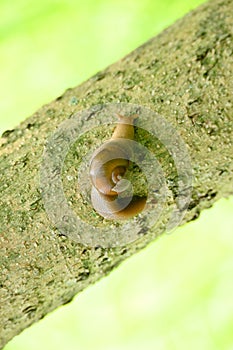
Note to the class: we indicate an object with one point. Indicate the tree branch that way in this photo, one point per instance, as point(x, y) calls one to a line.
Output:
point(185, 75)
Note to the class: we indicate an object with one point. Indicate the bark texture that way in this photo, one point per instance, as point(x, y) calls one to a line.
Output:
point(185, 75)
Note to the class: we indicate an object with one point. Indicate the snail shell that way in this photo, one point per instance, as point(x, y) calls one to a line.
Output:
point(110, 191)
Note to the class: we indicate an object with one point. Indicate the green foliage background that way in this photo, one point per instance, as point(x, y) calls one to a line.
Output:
point(175, 294)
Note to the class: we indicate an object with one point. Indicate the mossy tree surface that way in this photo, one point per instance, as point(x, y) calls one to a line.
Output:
point(185, 75)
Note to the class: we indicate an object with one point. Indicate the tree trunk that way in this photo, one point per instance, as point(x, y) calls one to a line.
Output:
point(184, 75)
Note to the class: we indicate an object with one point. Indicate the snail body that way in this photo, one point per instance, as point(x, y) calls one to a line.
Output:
point(110, 191)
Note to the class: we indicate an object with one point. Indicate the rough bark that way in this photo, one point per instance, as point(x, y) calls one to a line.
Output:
point(185, 75)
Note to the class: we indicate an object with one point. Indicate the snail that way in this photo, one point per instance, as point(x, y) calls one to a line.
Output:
point(110, 191)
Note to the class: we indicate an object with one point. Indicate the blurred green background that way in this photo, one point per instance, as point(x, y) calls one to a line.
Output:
point(178, 292)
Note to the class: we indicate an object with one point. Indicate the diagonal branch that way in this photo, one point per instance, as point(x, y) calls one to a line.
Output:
point(185, 75)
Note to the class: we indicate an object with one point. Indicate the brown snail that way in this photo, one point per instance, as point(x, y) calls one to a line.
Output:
point(108, 165)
